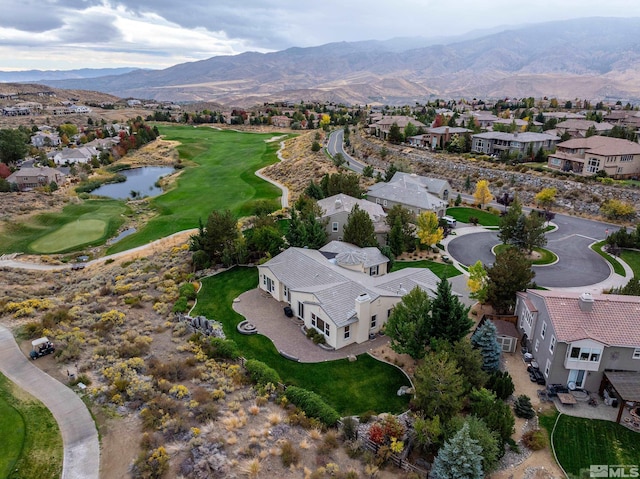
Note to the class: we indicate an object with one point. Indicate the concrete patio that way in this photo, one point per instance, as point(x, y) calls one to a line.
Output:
point(267, 315)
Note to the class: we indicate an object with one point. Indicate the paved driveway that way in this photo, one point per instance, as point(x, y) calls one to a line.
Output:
point(79, 435)
point(578, 265)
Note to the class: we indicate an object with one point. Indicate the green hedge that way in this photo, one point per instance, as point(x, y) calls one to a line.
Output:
point(312, 404)
point(260, 373)
point(188, 290)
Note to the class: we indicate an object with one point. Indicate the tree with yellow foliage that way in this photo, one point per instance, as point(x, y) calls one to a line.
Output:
point(477, 282)
point(325, 120)
point(546, 197)
point(428, 228)
point(482, 194)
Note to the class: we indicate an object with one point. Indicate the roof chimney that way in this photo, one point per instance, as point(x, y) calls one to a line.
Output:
point(585, 301)
point(338, 203)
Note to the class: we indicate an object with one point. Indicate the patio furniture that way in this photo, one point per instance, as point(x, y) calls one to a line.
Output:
point(567, 399)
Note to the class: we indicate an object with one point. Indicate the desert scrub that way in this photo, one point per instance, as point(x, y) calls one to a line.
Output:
point(27, 307)
point(179, 391)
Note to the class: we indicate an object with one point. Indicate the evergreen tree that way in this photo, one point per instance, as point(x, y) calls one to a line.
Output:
point(496, 413)
point(485, 340)
point(220, 234)
point(408, 325)
point(509, 222)
point(399, 215)
point(359, 229)
point(314, 191)
point(487, 439)
point(395, 135)
point(296, 235)
point(390, 171)
point(522, 407)
point(449, 317)
point(396, 238)
point(510, 273)
point(315, 233)
point(469, 361)
point(439, 387)
point(501, 384)
point(459, 458)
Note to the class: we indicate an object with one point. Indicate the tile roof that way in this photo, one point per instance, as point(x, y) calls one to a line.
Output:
point(410, 190)
point(345, 203)
point(613, 321)
point(527, 136)
point(400, 120)
point(602, 145)
point(372, 255)
point(575, 124)
point(337, 288)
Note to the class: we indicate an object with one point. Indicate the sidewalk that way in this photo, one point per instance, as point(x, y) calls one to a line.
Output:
point(79, 436)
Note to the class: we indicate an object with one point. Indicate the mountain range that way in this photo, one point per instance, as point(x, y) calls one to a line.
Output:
point(590, 58)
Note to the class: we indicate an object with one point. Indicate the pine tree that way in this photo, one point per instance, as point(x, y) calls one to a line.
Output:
point(522, 407)
point(296, 234)
point(459, 458)
point(449, 317)
point(395, 239)
point(359, 229)
point(408, 325)
point(439, 387)
point(315, 233)
point(485, 340)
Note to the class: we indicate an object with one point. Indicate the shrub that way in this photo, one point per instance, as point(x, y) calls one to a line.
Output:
point(312, 404)
point(535, 439)
point(522, 407)
point(289, 454)
point(366, 417)
point(501, 384)
point(188, 290)
point(181, 306)
point(260, 373)
point(221, 348)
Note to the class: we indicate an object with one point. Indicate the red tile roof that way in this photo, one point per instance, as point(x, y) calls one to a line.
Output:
point(614, 319)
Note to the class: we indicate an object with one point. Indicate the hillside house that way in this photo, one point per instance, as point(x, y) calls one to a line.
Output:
point(437, 137)
point(416, 193)
point(381, 127)
point(42, 139)
point(338, 294)
point(496, 142)
point(587, 156)
point(576, 338)
point(70, 156)
point(29, 178)
point(579, 128)
point(336, 210)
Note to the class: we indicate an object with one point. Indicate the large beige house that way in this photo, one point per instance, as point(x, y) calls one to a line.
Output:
point(29, 178)
point(342, 291)
point(587, 156)
point(414, 192)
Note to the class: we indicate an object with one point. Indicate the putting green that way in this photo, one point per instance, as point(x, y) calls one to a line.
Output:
point(72, 234)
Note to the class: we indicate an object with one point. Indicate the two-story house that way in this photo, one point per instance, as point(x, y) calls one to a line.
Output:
point(436, 137)
point(576, 338)
point(497, 142)
point(579, 128)
point(342, 291)
point(381, 127)
point(337, 208)
point(587, 156)
point(414, 192)
point(29, 178)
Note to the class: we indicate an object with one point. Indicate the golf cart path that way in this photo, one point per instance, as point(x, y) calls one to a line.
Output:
point(79, 436)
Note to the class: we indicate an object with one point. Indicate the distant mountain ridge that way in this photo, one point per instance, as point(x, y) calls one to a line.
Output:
point(592, 58)
point(44, 75)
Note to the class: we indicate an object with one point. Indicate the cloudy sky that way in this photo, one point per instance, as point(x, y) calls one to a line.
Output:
point(69, 34)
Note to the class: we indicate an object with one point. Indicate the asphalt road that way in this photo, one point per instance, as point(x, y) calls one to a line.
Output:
point(335, 146)
point(79, 436)
point(577, 264)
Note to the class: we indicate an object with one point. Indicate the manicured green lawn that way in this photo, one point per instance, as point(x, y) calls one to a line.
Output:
point(617, 267)
point(350, 387)
point(222, 177)
point(30, 441)
point(441, 270)
point(581, 442)
point(546, 256)
point(462, 215)
point(632, 258)
point(78, 225)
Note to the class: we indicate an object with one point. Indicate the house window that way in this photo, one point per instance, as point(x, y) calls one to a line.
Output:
point(544, 330)
point(552, 344)
point(636, 353)
point(547, 368)
point(321, 325)
point(264, 279)
point(334, 226)
point(389, 312)
point(300, 310)
point(626, 158)
point(313, 319)
point(585, 354)
point(528, 317)
point(374, 321)
point(593, 165)
point(373, 271)
point(537, 345)
point(347, 332)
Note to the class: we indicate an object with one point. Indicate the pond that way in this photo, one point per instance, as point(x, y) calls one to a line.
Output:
point(140, 182)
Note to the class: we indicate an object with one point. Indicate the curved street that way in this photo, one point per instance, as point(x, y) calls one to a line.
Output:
point(79, 436)
point(577, 265)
